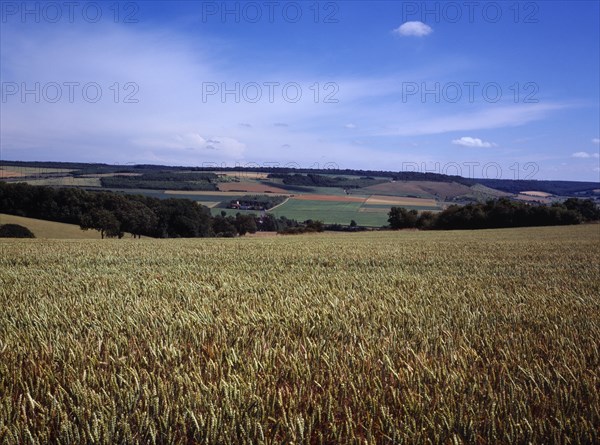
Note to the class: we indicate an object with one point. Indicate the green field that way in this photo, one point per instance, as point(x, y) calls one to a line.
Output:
point(484, 336)
point(330, 212)
point(66, 181)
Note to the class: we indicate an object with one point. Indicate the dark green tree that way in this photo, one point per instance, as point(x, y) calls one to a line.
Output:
point(103, 221)
point(586, 207)
point(426, 220)
point(245, 224)
point(224, 226)
point(401, 218)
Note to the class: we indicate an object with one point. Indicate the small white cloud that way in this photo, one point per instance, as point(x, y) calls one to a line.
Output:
point(596, 141)
point(350, 126)
point(467, 141)
point(585, 154)
point(413, 29)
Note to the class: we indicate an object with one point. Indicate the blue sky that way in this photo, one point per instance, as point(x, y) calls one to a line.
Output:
point(484, 89)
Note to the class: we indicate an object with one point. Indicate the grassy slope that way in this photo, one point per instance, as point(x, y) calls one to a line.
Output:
point(424, 189)
point(50, 229)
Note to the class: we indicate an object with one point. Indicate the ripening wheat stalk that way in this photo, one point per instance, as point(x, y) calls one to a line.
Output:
point(410, 337)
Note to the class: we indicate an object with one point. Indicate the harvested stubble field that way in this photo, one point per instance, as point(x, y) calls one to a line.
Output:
point(407, 337)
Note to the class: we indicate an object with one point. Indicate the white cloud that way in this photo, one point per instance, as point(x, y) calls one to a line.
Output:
point(350, 126)
point(585, 154)
point(596, 141)
point(467, 141)
point(416, 29)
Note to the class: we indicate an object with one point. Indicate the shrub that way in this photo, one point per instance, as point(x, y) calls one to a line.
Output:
point(15, 231)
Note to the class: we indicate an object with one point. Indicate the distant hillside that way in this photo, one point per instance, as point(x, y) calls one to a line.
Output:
point(559, 188)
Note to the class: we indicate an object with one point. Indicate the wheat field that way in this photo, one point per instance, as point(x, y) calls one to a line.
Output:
point(478, 337)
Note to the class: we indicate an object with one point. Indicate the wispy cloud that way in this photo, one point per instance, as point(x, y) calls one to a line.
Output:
point(471, 119)
point(596, 141)
point(585, 155)
point(467, 141)
point(413, 29)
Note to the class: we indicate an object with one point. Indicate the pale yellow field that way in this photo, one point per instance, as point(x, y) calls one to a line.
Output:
point(534, 193)
point(31, 171)
point(534, 198)
point(401, 201)
point(50, 229)
point(209, 204)
point(7, 173)
point(246, 175)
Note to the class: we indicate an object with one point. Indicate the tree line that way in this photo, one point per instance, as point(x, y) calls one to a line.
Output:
point(314, 180)
point(163, 180)
point(499, 213)
point(114, 214)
